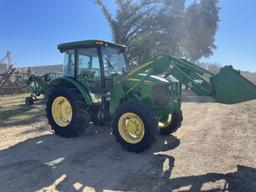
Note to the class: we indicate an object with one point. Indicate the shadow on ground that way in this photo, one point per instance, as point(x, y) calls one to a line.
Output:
point(241, 180)
point(21, 115)
point(97, 163)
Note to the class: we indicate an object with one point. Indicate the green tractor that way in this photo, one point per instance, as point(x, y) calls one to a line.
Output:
point(98, 86)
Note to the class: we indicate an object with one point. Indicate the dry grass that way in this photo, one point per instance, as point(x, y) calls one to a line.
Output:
point(13, 111)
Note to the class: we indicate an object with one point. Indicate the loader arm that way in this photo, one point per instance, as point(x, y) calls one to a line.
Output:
point(228, 86)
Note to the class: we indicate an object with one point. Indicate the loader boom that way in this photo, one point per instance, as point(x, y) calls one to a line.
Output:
point(228, 86)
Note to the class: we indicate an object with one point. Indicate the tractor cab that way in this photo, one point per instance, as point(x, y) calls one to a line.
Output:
point(93, 63)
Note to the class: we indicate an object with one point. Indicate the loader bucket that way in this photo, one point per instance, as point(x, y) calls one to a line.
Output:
point(231, 87)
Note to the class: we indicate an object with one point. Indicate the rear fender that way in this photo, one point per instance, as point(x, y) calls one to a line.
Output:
point(67, 80)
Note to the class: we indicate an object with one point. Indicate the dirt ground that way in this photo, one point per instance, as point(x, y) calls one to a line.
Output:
point(214, 150)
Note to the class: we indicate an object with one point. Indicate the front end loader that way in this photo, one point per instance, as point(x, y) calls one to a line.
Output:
point(98, 86)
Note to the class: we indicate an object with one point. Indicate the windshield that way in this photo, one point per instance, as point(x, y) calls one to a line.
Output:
point(113, 61)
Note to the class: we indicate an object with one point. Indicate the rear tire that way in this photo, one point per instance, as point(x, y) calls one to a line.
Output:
point(80, 117)
point(174, 125)
point(144, 115)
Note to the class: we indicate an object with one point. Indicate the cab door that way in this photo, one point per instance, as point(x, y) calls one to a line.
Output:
point(88, 68)
point(88, 71)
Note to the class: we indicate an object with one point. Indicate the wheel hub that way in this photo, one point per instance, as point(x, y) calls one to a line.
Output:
point(165, 123)
point(62, 111)
point(131, 128)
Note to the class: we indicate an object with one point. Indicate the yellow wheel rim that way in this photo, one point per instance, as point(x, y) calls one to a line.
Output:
point(166, 123)
point(131, 128)
point(62, 111)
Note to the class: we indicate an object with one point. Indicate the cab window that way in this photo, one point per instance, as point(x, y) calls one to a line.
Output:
point(69, 64)
point(113, 61)
point(88, 64)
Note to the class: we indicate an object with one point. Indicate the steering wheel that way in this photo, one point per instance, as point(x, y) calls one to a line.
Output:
point(88, 74)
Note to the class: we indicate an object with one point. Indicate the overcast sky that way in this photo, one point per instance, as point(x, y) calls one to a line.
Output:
point(31, 30)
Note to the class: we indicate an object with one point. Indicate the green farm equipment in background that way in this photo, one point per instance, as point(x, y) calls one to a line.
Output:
point(98, 86)
point(38, 85)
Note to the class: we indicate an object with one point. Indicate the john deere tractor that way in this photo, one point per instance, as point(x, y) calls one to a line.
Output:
point(98, 86)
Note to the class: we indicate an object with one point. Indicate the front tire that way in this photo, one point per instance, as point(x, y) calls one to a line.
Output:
point(66, 112)
point(135, 126)
point(173, 125)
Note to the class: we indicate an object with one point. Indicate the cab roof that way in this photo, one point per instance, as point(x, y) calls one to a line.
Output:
point(88, 43)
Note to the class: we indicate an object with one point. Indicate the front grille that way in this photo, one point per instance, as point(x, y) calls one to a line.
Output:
point(161, 94)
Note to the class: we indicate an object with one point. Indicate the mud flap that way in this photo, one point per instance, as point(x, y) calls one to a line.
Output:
point(231, 87)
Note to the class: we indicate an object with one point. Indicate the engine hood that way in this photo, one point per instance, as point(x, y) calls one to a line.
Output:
point(151, 80)
point(148, 83)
